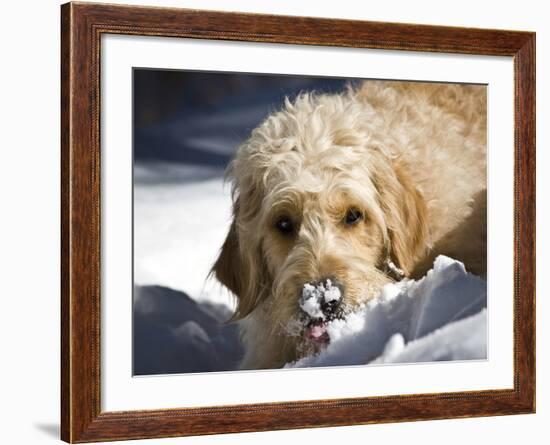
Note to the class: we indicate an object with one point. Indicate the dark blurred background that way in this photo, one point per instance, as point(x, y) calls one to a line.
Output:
point(201, 117)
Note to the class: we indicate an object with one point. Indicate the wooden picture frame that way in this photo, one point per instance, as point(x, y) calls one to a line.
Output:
point(82, 25)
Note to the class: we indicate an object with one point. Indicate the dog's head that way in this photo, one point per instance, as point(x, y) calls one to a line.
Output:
point(320, 210)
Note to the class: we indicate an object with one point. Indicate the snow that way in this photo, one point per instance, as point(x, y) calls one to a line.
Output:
point(439, 317)
point(313, 297)
point(175, 334)
point(181, 217)
point(310, 302)
point(332, 293)
point(459, 340)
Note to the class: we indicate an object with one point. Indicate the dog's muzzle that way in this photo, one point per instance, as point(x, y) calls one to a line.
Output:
point(320, 303)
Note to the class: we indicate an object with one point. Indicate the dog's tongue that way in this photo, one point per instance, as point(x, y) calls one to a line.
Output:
point(318, 333)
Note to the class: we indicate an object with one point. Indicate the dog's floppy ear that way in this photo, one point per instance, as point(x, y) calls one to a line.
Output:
point(228, 266)
point(406, 217)
point(241, 268)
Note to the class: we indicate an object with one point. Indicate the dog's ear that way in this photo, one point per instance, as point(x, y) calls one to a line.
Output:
point(241, 268)
point(406, 217)
point(228, 266)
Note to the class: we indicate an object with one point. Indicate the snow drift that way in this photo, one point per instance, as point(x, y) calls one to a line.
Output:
point(175, 334)
point(439, 317)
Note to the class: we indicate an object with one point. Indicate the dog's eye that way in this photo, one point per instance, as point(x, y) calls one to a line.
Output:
point(285, 225)
point(353, 216)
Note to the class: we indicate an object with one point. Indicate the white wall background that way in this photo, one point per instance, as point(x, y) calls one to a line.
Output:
point(29, 220)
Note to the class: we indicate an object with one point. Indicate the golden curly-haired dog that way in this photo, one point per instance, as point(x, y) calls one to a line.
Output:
point(347, 192)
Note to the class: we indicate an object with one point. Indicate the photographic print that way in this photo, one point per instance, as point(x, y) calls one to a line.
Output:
point(286, 221)
point(292, 212)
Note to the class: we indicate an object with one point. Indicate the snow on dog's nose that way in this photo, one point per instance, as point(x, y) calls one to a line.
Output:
point(320, 302)
point(321, 299)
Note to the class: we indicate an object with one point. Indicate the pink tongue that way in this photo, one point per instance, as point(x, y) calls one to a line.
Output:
point(317, 331)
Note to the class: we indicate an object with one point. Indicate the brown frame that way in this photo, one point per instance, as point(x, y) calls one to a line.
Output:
point(82, 25)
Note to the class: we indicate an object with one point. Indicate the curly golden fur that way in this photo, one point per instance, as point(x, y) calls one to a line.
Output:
point(358, 187)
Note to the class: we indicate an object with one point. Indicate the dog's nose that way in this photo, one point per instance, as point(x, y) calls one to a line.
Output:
point(321, 299)
point(333, 296)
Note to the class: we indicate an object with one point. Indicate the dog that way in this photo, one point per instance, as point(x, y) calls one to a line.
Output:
point(336, 195)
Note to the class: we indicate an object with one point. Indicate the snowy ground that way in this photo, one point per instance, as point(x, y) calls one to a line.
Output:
point(181, 216)
point(439, 317)
point(175, 334)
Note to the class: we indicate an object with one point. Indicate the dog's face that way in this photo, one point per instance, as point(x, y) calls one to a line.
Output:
point(319, 212)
